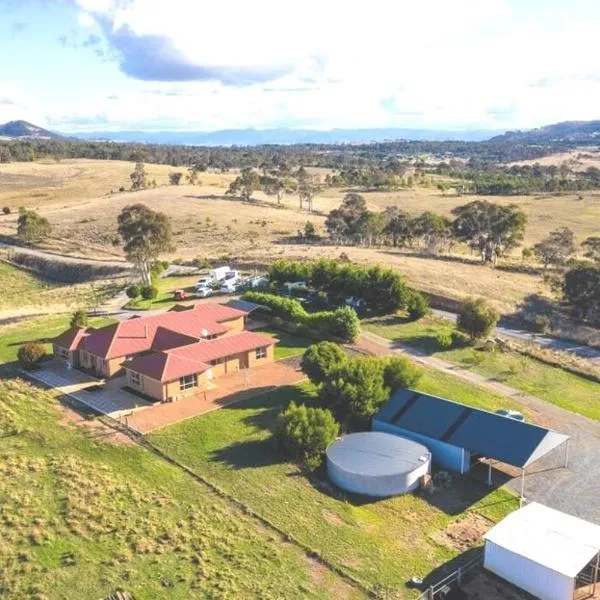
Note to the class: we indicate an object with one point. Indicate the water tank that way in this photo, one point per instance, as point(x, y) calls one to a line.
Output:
point(378, 464)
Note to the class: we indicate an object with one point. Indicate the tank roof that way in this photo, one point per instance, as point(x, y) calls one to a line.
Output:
point(374, 453)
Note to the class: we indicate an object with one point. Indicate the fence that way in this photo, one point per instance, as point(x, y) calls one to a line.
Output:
point(454, 578)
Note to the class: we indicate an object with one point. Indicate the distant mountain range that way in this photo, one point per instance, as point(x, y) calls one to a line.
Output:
point(254, 137)
point(23, 129)
point(569, 132)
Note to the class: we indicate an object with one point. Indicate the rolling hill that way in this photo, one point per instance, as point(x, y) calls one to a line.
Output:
point(23, 129)
point(576, 132)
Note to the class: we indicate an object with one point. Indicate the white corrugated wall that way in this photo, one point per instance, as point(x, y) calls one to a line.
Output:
point(527, 575)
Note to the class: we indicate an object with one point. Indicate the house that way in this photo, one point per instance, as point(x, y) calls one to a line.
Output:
point(548, 553)
point(170, 355)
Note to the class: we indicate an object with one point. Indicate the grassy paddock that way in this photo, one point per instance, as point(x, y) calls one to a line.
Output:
point(41, 329)
point(288, 344)
point(383, 543)
point(81, 514)
point(524, 373)
point(166, 290)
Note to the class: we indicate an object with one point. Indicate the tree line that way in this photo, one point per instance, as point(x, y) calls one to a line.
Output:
point(489, 229)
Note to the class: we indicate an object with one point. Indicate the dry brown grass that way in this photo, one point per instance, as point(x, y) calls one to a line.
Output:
point(579, 159)
point(75, 196)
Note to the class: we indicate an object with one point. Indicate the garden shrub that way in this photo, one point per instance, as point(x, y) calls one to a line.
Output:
point(477, 318)
point(306, 432)
point(149, 292)
point(31, 354)
point(320, 361)
point(400, 373)
point(79, 319)
point(133, 291)
point(417, 306)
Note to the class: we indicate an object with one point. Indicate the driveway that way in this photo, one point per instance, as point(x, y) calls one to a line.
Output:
point(575, 490)
point(110, 400)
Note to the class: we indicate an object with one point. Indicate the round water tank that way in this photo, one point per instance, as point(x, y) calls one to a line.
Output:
point(377, 464)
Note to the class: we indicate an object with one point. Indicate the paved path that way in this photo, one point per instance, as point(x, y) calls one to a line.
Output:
point(111, 401)
point(575, 490)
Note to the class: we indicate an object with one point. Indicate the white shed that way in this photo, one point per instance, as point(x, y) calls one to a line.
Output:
point(544, 551)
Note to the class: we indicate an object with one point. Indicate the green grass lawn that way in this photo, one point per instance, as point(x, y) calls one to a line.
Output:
point(383, 542)
point(21, 288)
point(288, 344)
point(40, 329)
point(527, 374)
point(82, 518)
point(166, 289)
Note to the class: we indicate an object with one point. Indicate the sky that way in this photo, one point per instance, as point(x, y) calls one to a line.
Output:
point(107, 65)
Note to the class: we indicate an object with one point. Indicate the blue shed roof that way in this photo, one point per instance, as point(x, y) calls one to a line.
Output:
point(246, 306)
point(482, 432)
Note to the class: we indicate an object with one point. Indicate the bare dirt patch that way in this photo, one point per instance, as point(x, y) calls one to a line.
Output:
point(318, 575)
point(486, 586)
point(95, 428)
point(464, 534)
point(332, 518)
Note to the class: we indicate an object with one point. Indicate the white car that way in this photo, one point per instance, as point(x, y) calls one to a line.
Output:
point(204, 282)
point(204, 292)
point(229, 288)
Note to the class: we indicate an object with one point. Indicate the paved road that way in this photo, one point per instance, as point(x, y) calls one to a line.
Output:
point(575, 490)
point(546, 341)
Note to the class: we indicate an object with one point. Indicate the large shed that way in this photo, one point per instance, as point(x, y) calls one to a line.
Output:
point(545, 552)
point(457, 434)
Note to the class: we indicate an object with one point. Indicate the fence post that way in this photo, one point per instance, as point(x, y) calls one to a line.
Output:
point(431, 595)
point(459, 576)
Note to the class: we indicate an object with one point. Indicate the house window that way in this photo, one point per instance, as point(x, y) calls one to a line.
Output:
point(261, 352)
point(217, 361)
point(134, 378)
point(188, 382)
point(63, 353)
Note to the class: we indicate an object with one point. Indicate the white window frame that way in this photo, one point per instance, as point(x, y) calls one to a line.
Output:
point(187, 382)
point(261, 352)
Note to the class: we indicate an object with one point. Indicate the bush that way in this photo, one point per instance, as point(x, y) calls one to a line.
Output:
point(79, 319)
point(356, 391)
point(149, 292)
point(444, 340)
point(31, 354)
point(477, 318)
point(31, 227)
point(319, 301)
point(6, 210)
point(133, 291)
point(542, 324)
point(400, 373)
point(343, 323)
point(417, 306)
point(305, 433)
point(320, 361)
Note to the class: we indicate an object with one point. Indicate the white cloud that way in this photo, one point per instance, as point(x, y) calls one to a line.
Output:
point(334, 63)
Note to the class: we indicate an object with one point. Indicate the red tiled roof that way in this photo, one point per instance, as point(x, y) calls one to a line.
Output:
point(194, 358)
point(205, 351)
point(165, 366)
point(217, 312)
point(155, 332)
point(70, 339)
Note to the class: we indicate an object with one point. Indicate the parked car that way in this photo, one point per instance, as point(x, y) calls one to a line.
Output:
point(205, 282)
point(204, 292)
point(229, 287)
point(511, 414)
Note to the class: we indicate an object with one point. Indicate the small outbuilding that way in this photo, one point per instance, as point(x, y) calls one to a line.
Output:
point(545, 552)
point(377, 464)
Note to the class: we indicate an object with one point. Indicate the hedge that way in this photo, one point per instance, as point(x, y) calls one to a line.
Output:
point(341, 323)
point(384, 290)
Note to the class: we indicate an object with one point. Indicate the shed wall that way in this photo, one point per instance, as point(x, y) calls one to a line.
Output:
point(526, 574)
point(444, 455)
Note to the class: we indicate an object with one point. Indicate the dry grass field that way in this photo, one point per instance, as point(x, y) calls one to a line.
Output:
point(75, 195)
point(579, 159)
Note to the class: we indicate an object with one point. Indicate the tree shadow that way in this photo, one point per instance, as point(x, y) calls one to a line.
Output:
point(250, 454)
